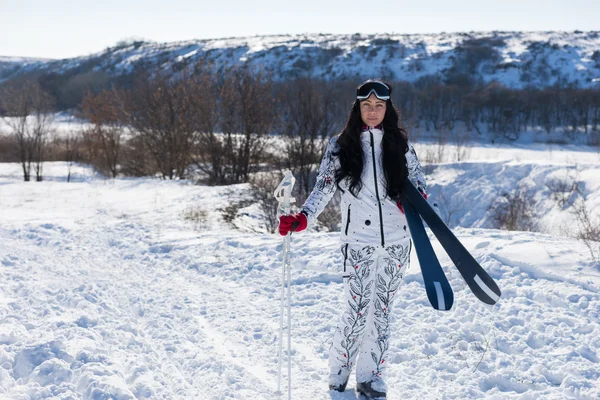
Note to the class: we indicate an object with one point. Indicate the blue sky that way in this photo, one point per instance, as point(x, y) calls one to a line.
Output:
point(66, 28)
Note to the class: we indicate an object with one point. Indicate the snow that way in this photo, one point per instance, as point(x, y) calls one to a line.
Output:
point(20, 60)
point(106, 291)
point(62, 125)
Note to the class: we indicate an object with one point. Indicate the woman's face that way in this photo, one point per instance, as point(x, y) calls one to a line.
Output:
point(372, 110)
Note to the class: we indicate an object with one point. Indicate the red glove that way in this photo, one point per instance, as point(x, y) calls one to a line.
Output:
point(292, 223)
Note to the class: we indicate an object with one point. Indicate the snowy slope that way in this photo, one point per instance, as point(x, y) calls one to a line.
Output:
point(484, 183)
point(107, 292)
point(10, 66)
point(516, 59)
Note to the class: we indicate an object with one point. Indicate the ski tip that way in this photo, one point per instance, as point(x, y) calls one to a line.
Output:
point(445, 298)
point(447, 306)
point(440, 296)
point(489, 292)
point(489, 300)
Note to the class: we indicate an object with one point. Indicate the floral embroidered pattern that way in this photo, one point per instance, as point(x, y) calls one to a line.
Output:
point(388, 280)
point(415, 172)
point(325, 178)
point(373, 276)
point(360, 287)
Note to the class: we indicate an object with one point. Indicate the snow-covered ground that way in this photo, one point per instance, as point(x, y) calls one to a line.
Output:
point(107, 291)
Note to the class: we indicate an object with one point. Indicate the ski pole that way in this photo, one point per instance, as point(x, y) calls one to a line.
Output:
point(283, 196)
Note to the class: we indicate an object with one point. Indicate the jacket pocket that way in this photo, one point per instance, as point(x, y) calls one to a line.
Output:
point(345, 255)
point(347, 220)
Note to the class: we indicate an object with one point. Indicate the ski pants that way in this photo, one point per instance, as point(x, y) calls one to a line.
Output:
point(372, 275)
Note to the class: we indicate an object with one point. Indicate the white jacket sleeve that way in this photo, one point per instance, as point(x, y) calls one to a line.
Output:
point(415, 172)
point(325, 185)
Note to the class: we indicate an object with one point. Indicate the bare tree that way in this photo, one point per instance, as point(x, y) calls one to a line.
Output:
point(72, 144)
point(262, 187)
point(164, 114)
point(208, 156)
point(136, 160)
point(104, 138)
point(28, 115)
point(306, 121)
point(247, 112)
point(435, 154)
point(462, 150)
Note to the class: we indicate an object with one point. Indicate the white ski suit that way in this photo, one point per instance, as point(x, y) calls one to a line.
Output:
point(375, 244)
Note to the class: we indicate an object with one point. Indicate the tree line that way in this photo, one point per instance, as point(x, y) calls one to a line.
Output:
point(224, 126)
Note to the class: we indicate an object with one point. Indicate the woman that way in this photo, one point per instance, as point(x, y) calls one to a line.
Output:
point(369, 162)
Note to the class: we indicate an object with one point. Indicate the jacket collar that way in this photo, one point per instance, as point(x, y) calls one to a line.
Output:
point(376, 132)
point(366, 127)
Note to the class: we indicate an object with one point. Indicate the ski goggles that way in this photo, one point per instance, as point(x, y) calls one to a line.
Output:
point(380, 89)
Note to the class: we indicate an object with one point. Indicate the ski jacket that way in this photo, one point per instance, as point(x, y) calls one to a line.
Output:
point(371, 217)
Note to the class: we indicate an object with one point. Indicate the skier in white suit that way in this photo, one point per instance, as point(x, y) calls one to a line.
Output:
point(368, 162)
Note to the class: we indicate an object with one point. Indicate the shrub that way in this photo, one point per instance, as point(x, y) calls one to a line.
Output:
point(515, 211)
point(561, 189)
point(589, 229)
point(449, 207)
point(9, 149)
point(195, 215)
point(230, 212)
point(263, 186)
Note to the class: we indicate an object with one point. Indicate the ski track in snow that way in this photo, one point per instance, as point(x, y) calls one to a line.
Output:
point(106, 292)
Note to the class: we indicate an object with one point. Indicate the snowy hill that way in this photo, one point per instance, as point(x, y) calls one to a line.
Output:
point(515, 59)
point(107, 291)
point(12, 66)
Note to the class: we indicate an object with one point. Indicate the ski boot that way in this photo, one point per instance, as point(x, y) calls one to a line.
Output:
point(373, 389)
point(338, 387)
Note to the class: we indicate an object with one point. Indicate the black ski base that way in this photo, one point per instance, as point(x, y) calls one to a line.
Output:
point(439, 291)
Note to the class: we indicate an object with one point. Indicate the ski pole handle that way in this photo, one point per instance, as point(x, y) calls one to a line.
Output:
point(283, 193)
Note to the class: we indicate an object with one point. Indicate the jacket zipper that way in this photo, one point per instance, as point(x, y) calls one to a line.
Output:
point(376, 189)
point(347, 220)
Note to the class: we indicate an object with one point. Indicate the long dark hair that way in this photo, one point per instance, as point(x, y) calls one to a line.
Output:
point(394, 147)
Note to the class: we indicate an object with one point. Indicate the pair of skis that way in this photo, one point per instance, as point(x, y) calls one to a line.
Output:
point(439, 291)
